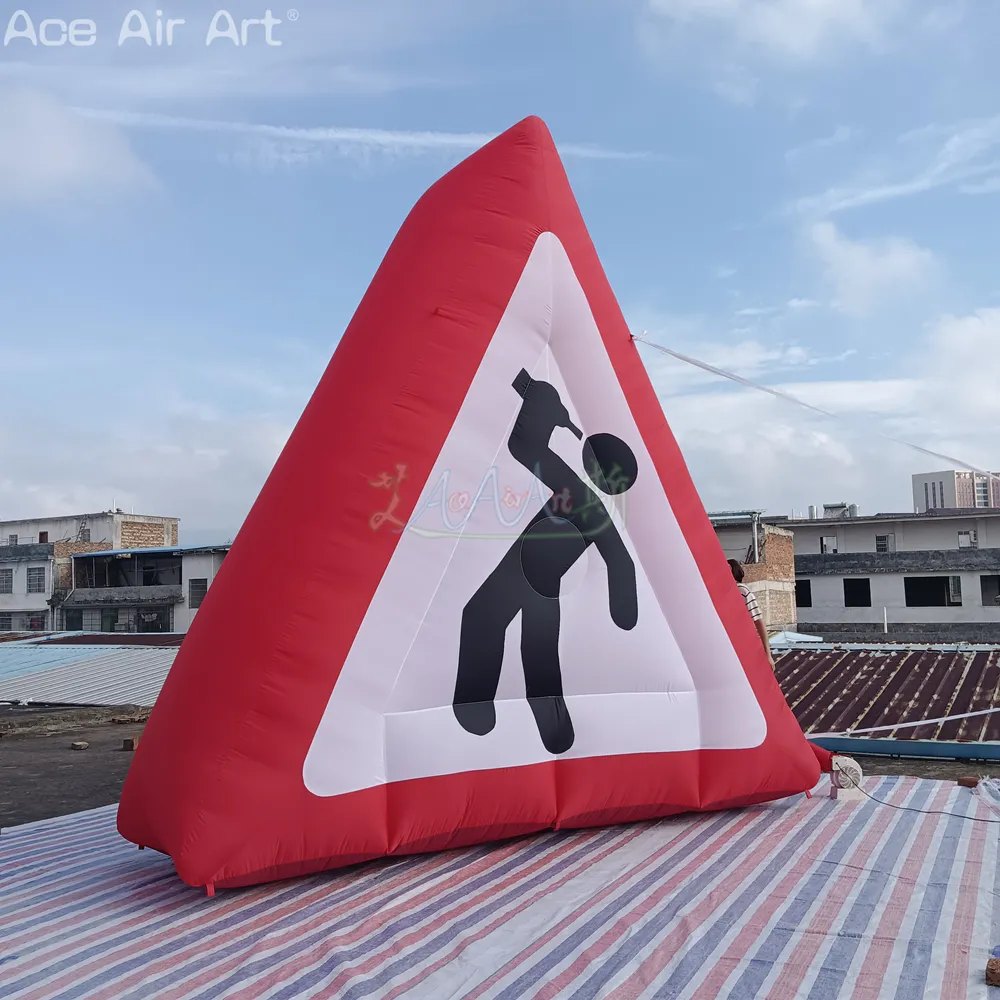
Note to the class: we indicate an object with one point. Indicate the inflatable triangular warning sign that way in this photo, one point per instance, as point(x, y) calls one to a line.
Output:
point(478, 595)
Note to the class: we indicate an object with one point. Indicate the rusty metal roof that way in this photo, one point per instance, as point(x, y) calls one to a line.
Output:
point(836, 689)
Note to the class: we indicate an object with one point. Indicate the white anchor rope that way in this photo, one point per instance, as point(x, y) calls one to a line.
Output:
point(789, 398)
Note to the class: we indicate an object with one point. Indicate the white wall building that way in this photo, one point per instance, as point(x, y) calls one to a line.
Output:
point(26, 580)
point(937, 573)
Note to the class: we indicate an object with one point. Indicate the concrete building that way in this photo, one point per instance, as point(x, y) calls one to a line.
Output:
point(954, 490)
point(26, 573)
point(36, 558)
point(140, 590)
point(932, 576)
point(767, 554)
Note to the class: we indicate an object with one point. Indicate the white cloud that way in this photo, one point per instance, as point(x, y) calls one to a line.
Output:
point(989, 186)
point(792, 305)
point(746, 448)
point(205, 469)
point(48, 154)
point(798, 29)
point(966, 358)
point(922, 160)
point(838, 137)
point(289, 143)
point(864, 274)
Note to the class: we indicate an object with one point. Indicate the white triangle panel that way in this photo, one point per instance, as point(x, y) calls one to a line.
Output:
point(671, 683)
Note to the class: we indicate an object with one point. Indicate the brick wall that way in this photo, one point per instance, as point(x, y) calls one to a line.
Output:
point(173, 533)
point(772, 580)
point(778, 557)
point(64, 551)
point(144, 534)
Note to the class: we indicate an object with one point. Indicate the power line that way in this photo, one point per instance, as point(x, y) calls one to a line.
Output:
point(789, 398)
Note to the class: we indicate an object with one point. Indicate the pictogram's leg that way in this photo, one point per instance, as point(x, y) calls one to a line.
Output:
point(542, 676)
point(480, 653)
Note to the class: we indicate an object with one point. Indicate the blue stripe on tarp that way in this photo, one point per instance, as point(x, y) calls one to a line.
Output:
point(796, 911)
point(833, 971)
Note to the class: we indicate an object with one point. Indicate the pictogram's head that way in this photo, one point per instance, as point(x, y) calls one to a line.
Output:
point(610, 463)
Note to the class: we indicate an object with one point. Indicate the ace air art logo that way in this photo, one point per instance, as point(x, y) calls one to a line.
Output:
point(136, 27)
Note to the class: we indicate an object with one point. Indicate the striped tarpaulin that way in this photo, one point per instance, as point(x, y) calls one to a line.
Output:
point(801, 898)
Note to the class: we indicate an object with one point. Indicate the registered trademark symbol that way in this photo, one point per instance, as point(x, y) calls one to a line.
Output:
point(292, 15)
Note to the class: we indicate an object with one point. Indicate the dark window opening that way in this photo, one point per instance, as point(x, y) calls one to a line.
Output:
point(990, 587)
point(858, 593)
point(196, 592)
point(803, 594)
point(74, 620)
point(932, 591)
point(43, 537)
point(127, 571)
point(153, 620)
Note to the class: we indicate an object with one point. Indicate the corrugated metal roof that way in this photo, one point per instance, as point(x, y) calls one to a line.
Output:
point(158, 550)
point(84, 675)
point(797, 898)
point(836, 689)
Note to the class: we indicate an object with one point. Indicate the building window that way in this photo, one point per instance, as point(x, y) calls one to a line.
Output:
point(803, 594)
point(43, 537)
point(196, 592)
point(934, 493)
point(828, 544)
point(35, 622)
point(932, 591)
point(6, 581)
point(941, 493)
point(12, 539)
point(990, 587)
point(36, 579)
point(73, 620)
point(858, 593)
point(885, 543)
point(967, 540)
point(927, 498)
point(6, 623)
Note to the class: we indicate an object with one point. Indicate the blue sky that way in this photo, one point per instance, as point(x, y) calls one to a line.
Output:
point(804, 192)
